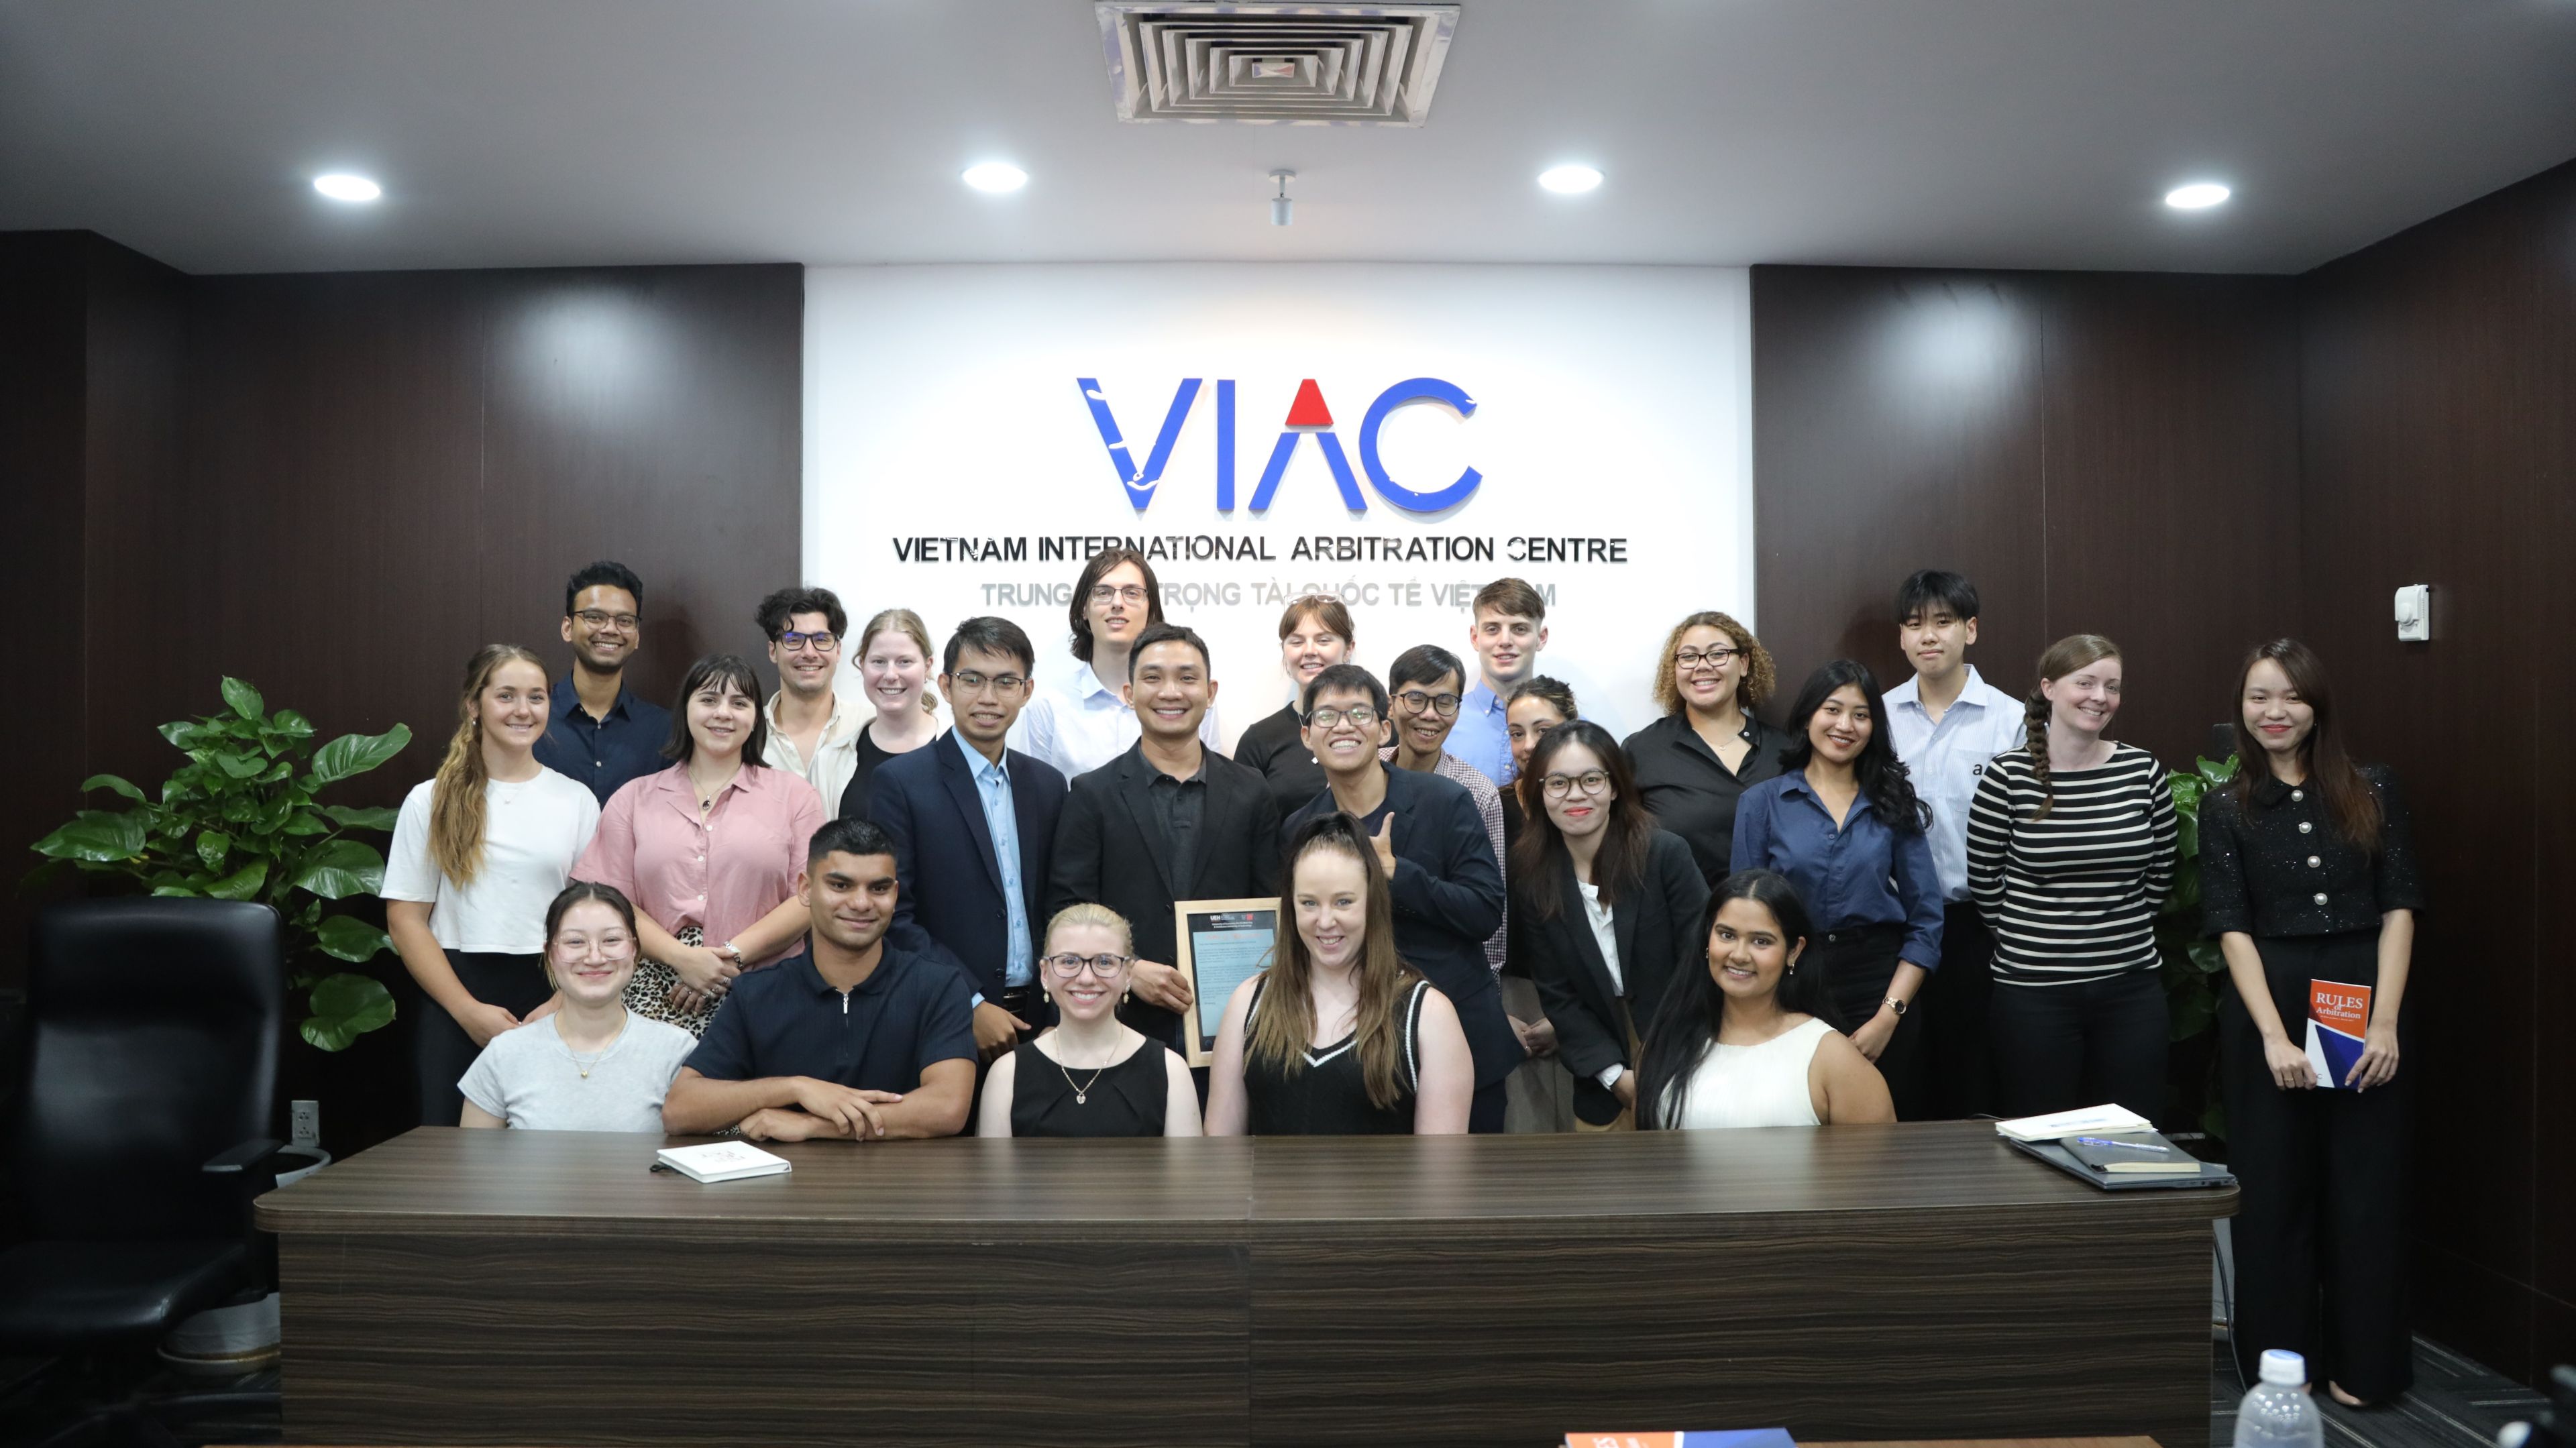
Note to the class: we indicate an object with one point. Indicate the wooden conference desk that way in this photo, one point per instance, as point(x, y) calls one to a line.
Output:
point(1918, 1281)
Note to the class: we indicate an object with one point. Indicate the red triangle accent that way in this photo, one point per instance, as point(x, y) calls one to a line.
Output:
point(1309, 410)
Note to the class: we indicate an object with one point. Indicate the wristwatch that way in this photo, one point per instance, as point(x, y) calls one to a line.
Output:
point(1898, 1006)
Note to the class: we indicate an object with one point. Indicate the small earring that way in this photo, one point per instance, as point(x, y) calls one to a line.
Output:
point(1125, 996)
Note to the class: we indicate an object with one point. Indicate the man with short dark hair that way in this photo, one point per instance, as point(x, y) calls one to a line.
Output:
point(1169, 820)
point(1507, 627)
point(973, 823)
point(810, 734)
point(1946, 722)
point(854, 1039)
point(1439, 864)
point(600, 734)
point(1082, 721)
point(1424, 687)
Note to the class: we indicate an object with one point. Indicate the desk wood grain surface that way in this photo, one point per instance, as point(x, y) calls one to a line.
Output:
point(1858, 1282)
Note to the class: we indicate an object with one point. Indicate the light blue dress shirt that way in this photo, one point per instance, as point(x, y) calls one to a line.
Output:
point(1946, 760)
point(1481, 737)
point(993, 788)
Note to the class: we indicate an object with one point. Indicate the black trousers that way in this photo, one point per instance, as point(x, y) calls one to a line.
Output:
point(1485, 1112)
point(1960, 1074)
point(1857, 965)
point(2320, 1225)
point(2058, 1047)
point(441, 1051)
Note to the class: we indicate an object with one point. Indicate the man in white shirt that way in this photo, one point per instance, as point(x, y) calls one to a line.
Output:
point(810, 734)
point(1082, 723)
point(1946, 722)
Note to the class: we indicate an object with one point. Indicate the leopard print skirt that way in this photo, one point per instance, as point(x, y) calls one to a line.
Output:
point(648, 991)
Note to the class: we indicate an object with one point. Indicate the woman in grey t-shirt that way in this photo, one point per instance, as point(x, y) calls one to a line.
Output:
point(590, 1066)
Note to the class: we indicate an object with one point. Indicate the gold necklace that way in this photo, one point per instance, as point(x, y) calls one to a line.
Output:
point(1082, 1090)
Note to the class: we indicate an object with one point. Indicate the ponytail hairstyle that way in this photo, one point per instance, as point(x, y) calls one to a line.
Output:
point(907, 623)
point(1884, 780)
point(1283, 1029)
point(2064, 657)
point(1694, 1008)
point(456, 795)
point(2349, 799)
point(1540, 861)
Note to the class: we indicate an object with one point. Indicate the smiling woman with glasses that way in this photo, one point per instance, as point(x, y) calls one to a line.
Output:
point(1696, 762)
point(1092, 1075)
point(1603, 906)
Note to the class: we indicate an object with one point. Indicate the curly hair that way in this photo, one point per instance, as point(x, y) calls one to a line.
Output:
point(1760, 677)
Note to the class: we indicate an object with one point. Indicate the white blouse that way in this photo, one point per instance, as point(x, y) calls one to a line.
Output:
point(1764, 1085)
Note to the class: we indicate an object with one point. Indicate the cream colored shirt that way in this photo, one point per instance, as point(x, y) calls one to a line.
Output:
point(836, 754)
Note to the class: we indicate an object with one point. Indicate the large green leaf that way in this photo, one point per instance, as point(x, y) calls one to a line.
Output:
point(212, 846)
point(244, 699)
point(348, 817)
point(349, 938)
point(241, 884)
point(238, 764)
point(110, 781)
point(287, 724)
point(96, 836)
point(184, 733)
point(345, 1007)
point(353, 754)
point(339, 868)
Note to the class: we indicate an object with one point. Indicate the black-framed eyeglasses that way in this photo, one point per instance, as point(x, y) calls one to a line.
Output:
point(1359, 716)
point(1590, 781)
point(971, 682)
point(595, 619)
point(1444, 705)
point(820, 641)
point(1715, 658)
point(1115, 592)
point(1069, 966)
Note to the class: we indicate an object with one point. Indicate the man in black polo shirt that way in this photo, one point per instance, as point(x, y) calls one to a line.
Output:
point(853, 1039)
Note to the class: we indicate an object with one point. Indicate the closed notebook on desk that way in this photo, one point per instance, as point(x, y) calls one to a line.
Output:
point(1724, 1438)
point(2065, 1161)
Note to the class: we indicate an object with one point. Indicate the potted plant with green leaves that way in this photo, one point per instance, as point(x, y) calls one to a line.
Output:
point(2191, 965)
point(239, 821)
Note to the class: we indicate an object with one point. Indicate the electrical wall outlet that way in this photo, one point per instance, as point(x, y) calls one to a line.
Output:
point(304, 1120)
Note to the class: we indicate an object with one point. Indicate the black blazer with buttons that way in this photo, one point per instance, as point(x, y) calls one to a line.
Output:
point(1109, 851)
point(1656, 925)
point(948, 892)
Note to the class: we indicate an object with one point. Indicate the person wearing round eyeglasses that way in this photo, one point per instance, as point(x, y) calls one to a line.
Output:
point(1424, 686)
point(1607, 905)
point(1693, 764)
point(810, 733)
point(1092, 1075)
point(1083, 721)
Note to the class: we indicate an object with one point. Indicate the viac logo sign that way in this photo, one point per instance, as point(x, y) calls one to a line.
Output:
point(1307, 417)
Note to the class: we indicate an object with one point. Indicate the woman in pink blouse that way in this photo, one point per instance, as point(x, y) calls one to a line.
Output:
point(708, 850)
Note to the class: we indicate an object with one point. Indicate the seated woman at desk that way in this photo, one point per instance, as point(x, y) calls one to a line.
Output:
point(591, 1065)
point(1748, 1041)
point(1093, 1075)
point(1339, 1037)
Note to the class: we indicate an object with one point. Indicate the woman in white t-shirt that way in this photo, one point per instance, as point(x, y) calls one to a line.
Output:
point(479, 852)
point(590, 1065)
point(1749, 1040)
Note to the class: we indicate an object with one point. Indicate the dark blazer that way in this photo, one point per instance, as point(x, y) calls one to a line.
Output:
point(1448, 897)
point(948, 900)
point(1108, 851)
point(1657, 929)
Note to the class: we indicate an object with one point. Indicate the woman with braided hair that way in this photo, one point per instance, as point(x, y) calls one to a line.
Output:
point(2070, 856)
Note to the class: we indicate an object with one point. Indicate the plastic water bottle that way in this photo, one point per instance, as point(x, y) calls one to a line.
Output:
point(2277, 1414)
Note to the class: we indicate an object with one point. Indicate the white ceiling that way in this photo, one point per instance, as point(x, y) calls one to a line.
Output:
point(1936, 132)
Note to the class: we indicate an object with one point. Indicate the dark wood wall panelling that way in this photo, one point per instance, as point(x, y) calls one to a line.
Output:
point(2440, 448)
point(2102, 453)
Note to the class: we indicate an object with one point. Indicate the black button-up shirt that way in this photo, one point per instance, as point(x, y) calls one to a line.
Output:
point(786, 1020)
point(2281, 867)
point(1179, 805)
point(1691, 792)
point(604, 753)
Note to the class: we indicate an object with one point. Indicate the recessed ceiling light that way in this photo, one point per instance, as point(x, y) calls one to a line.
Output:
point(1569, 180)
point(2198, 196)
point(342, 186)
point(996, 176)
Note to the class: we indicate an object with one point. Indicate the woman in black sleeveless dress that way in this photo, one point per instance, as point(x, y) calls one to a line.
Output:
point(1092, 1075)
point(1338, 1037)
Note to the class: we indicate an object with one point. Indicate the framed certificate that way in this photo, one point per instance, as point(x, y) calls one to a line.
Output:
point(1223, 943)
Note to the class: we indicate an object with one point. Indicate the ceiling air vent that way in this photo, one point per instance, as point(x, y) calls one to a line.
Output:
point(1321, 65)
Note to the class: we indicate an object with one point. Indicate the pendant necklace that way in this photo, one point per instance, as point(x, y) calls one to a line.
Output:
point(1082, 1090)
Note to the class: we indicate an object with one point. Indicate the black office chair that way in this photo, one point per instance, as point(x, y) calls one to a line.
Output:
point(138, 1136)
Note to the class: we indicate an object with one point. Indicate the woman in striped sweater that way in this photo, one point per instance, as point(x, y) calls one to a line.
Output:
point(2070, 855)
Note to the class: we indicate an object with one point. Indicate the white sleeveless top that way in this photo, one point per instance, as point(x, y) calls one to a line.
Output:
point(1764, 1085)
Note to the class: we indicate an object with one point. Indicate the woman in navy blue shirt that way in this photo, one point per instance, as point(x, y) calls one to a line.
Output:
point(1843, 823)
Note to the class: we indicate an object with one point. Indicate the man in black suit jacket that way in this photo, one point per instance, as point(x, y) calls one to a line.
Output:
point(1169, 820)
point(1431, 842)
point(958, 897)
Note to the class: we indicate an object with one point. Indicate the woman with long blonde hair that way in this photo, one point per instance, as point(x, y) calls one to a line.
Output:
point(1338, 1037)
point(479, 851)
